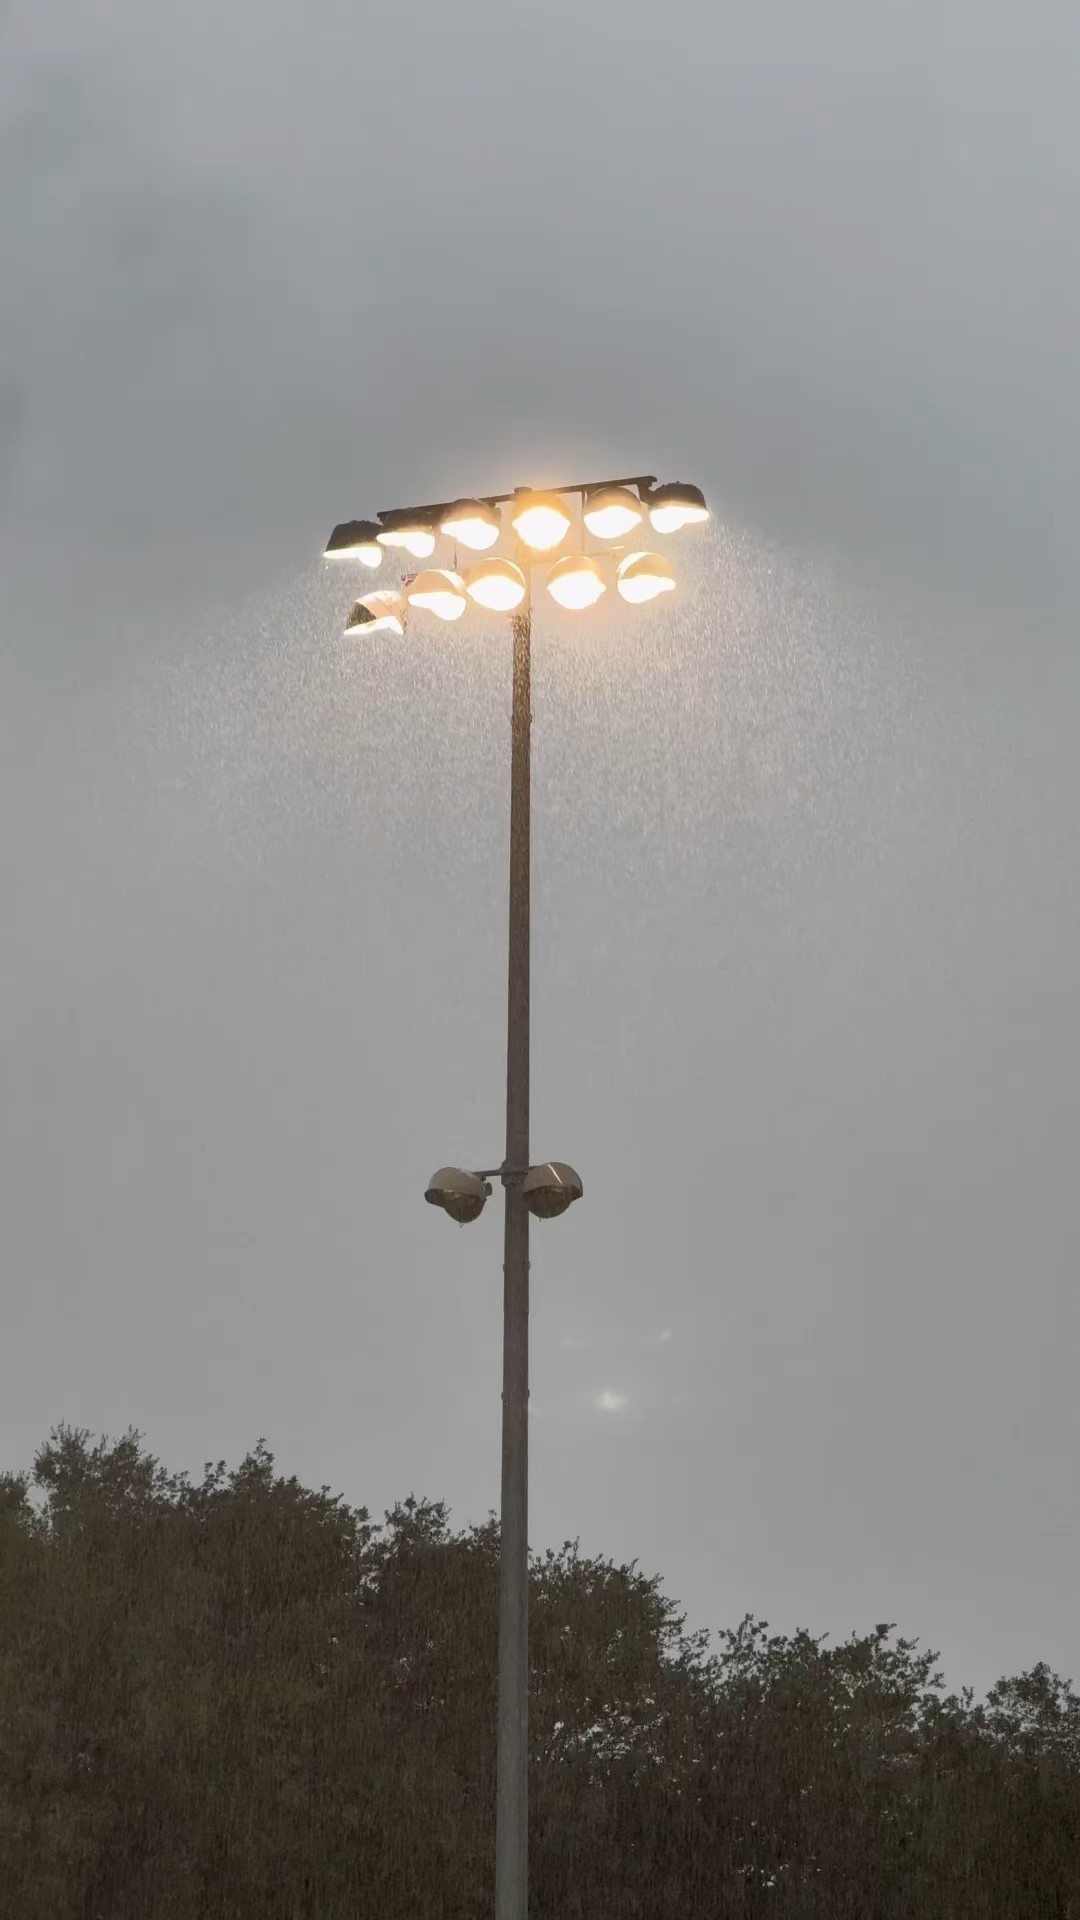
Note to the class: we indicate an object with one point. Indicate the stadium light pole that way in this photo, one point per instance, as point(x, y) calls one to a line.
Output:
point(611, 510)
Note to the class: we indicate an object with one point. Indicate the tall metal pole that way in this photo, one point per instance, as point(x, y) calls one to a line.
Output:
point(512, 1754)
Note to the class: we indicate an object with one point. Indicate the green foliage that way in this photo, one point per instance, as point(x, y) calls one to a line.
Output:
point(241, 1698)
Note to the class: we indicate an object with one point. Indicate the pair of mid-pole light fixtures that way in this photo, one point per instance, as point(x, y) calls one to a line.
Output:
point(541, 522)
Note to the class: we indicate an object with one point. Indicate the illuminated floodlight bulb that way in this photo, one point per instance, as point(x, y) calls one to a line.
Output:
point(576, 582)
point(473, 524)
point(611, 512)
point(408, 530)
point(378, 613)
point(438, 591)
point(641, 576)
point(676, 506)
point(355, 540)
point(496, 584)
point(540, 520)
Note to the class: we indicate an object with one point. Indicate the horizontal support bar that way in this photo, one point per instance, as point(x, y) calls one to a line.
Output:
point(435, 509)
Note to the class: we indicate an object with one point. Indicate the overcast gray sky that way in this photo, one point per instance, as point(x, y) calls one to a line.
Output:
point(806, 894)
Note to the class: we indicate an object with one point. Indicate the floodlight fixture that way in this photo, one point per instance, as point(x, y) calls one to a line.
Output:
point(473, 524)
point(540, 520)
point(676, 505)
point(409, 530)
point(612, 512)
point(642, 576)
point(576, 582)
point(383, 612)
point(438, 591)
point(496, 584)
point(355, 540)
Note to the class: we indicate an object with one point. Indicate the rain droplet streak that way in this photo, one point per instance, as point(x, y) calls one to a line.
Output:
point(764, 724)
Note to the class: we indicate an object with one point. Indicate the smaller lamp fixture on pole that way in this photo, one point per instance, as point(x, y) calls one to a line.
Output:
point(458, 1193)
point(547, 1190)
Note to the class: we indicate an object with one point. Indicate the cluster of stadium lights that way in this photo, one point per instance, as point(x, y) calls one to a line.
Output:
point(541, 522)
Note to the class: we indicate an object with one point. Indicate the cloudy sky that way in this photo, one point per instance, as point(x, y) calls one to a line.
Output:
point(806, 846)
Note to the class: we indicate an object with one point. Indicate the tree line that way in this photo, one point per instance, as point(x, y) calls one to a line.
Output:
point(239, 1699)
